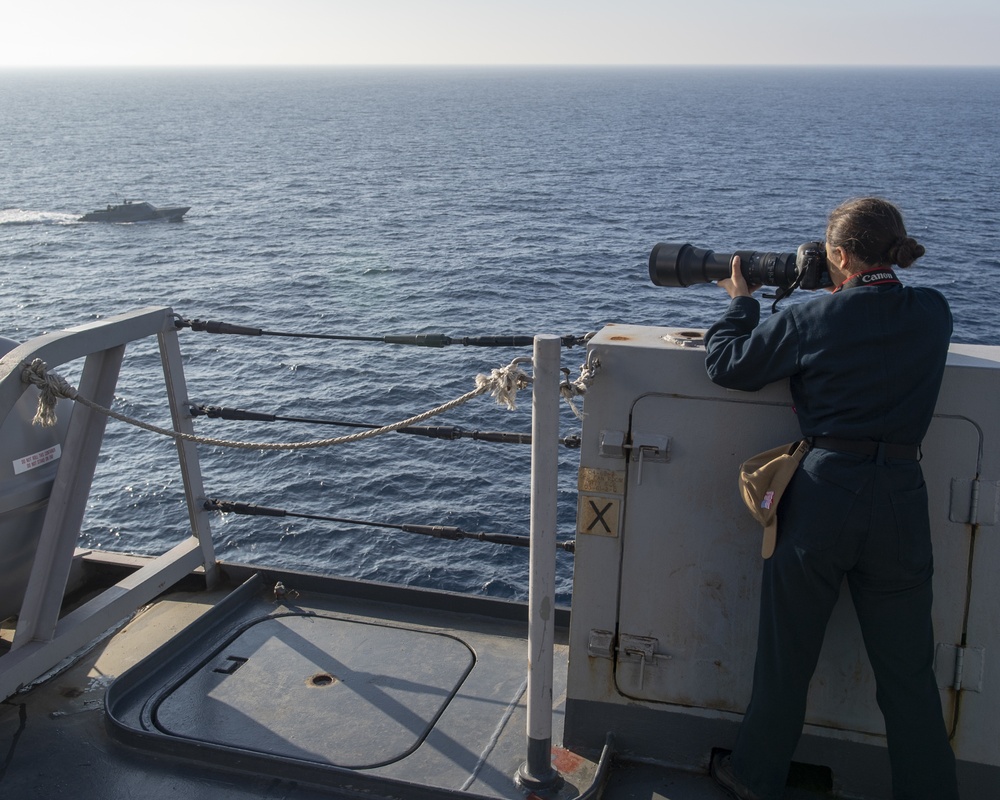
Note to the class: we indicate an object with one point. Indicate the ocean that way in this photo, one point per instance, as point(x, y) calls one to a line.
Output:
point(372, 202)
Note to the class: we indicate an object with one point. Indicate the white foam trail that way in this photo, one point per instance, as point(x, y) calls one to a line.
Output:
point(19, 216)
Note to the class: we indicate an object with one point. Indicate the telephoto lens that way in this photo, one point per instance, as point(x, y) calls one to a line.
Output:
point(673, 264)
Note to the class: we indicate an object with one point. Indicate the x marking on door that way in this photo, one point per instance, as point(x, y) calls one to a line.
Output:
point(599, 516)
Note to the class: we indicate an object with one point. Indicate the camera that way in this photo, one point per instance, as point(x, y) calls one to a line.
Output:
point(672, 264)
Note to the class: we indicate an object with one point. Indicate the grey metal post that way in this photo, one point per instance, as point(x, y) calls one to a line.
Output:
point(44, 638)
point(537, 772)
point(187, 452)
point(43, 596)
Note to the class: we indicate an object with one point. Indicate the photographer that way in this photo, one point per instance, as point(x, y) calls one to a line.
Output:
point(865, 365)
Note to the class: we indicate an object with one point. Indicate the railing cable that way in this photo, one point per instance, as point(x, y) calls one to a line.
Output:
point(447, 432)
point(415, 339)
point(503, 384)
point(449, 532)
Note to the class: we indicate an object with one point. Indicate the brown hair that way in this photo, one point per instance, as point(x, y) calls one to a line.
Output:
point(871, 229)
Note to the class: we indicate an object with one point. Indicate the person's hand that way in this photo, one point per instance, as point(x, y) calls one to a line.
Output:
point(735, 285)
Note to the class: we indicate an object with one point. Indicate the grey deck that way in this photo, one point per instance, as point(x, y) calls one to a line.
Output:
point(426, 702)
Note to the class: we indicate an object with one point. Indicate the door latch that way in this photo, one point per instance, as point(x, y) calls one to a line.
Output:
point(649, 447)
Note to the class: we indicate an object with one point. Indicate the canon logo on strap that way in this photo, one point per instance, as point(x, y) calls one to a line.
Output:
point(882, 275)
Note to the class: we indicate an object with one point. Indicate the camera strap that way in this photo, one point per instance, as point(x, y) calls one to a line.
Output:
point(879, 276)
point(782, 292)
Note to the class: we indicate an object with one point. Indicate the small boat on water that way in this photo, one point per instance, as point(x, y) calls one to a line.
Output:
point(132, 211)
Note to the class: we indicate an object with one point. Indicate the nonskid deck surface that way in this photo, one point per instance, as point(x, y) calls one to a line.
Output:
point(312, 696)
point(260, 697)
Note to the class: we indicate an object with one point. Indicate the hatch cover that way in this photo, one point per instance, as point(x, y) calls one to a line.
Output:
point(327, 690)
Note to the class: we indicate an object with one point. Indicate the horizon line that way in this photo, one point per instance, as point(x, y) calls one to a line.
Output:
point(501, 65)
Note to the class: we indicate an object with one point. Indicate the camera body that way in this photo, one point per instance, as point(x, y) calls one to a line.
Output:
point(673, 264)
point(810, 263)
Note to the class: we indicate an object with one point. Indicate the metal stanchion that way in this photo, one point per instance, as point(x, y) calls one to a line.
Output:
point(537, 773)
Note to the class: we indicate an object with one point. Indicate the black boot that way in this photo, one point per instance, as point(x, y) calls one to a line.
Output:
point(722, 774)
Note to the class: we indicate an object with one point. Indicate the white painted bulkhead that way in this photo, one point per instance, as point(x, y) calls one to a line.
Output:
point(668, 566)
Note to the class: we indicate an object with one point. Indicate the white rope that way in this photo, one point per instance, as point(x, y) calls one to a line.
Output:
point(51, 388)
point(502, 383)
point(570, 390)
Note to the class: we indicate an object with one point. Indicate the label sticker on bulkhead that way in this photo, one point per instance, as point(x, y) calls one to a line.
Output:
point(598, 515)
point(38, 459)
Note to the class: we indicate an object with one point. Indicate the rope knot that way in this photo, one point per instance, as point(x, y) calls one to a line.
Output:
point(504, 383)
point(570, 390)
point(51, 388)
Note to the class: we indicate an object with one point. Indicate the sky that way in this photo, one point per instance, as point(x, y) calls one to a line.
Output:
point(122, 33)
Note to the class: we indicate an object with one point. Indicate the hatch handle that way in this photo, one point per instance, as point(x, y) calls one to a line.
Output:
point(641, 647)
point(235, 662)
point(649, 447)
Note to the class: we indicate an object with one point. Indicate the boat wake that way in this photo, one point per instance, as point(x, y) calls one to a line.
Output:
point(18, 216)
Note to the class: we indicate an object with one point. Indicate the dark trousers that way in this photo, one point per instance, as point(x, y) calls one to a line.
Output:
point(846, 515)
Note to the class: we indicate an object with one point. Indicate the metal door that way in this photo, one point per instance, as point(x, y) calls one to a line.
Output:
point(691, 561)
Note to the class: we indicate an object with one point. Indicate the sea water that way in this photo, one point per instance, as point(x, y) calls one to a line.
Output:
point(461, 201)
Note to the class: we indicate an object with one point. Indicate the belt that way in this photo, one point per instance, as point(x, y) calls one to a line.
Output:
point(861, 447)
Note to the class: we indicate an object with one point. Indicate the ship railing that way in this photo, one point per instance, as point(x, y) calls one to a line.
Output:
point(43, 637)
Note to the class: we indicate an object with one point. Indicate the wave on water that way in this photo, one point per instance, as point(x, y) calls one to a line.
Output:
point(508, 202)
point(20, 216)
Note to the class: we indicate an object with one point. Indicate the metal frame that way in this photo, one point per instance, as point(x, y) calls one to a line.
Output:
point(43, 639)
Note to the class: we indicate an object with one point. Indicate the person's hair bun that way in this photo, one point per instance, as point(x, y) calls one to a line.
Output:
point(905, 251)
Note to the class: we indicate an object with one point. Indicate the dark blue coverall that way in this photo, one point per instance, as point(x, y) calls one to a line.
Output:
point(865, 363)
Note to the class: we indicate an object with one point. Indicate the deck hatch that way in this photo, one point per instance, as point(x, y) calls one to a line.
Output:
point(332, 691)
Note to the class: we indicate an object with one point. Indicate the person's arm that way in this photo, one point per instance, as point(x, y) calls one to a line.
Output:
point(740, 353)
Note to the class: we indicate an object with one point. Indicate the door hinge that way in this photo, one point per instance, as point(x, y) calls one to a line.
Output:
point(959, 668)
point(613, 445)
point(600, 644)
point(628, 648)
point(974, 502)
